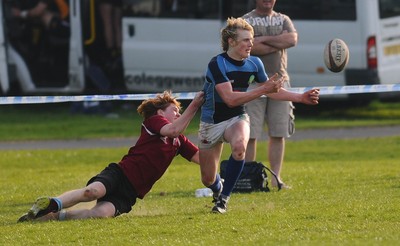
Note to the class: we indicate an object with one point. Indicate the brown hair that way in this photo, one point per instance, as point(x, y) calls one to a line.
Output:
point(149, 107)
point(230, 30)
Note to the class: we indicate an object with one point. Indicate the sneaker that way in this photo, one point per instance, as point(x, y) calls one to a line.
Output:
point(218, 193)
point(285, 186)
point(282, 186)
point(220, 205)
point(39, 208)
point(23, 218)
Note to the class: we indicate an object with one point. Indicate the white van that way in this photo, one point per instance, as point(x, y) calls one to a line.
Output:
point(371, 29)
point(169, 46)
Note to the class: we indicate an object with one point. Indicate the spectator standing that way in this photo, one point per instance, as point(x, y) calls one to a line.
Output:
point(53, 14)
point(111, 16)
point(274, 33)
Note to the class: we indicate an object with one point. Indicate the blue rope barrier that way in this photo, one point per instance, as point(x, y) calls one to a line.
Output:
point(324, 90)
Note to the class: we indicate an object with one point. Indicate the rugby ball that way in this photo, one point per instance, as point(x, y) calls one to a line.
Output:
point(336, 55)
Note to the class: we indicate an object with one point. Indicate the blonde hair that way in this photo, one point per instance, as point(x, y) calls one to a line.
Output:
point(149, 107)
point(230, 30)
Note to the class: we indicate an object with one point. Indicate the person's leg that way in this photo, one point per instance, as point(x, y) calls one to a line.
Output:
point(117, 24)
point(209, 162)
point(44, 206)
point(91, 192)
point(112, 191)
point(210, 146)
point(256, 111)
point(238, 136)
point(280, 120)
point(276, 152)
point(112, 21)
point(106, 16)
point(251, 150)
point(100, 210)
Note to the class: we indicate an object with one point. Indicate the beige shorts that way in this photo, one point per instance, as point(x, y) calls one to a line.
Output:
point(211, 134)
point(278, 115)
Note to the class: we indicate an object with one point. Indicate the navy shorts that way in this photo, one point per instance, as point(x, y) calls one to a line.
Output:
point(119, 191)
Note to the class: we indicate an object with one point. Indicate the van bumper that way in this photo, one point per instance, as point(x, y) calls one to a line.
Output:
point(362, 77)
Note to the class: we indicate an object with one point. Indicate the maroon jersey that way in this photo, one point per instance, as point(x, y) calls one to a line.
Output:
point(147, 161)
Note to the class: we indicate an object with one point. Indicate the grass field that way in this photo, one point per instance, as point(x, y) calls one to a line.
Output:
point(345, 192)
point(54, 121)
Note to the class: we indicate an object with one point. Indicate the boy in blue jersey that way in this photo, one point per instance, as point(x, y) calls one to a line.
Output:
point(223, 117)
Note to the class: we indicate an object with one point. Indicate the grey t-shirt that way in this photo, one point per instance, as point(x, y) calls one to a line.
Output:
point(270, 26)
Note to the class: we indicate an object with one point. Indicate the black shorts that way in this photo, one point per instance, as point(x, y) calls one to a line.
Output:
point(119, 191)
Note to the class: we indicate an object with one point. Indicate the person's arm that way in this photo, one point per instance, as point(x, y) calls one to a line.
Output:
point(236, 98)
point(179, 125)
point(281, 41)
point(259, 48)
point(264, 45)
point(36, 11)
point(309, 97)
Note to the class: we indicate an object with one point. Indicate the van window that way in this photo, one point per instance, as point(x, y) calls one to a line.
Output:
point(319, 9)
point(389, 8)
point(187, 9)
point(176, 9)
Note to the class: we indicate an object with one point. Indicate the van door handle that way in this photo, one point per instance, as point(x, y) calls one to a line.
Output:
point(131, 30)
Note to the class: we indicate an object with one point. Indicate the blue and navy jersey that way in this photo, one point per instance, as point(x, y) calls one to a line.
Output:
point(222, 69)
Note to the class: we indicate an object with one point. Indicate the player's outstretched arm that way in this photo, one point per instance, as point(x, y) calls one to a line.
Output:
point(174, 129)
point(310, 97)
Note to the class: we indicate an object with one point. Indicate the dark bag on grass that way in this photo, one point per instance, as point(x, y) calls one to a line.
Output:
point(253, 177)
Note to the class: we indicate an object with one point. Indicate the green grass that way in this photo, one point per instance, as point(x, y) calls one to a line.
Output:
point(55, 121)
point(344, 192)
point(345, 114)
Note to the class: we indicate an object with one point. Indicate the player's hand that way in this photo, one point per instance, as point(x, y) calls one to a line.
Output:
point(274, 84)
point(311, 97)
point(198, 99)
